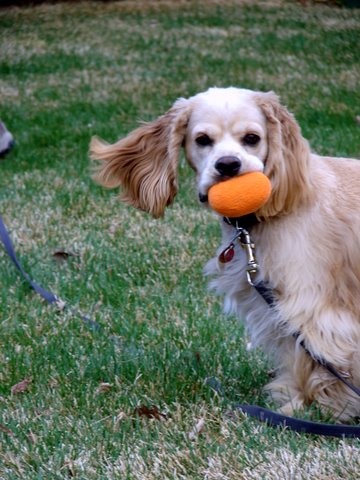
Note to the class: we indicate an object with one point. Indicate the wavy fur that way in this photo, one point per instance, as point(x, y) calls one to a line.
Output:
point(287, 161)
point(144, 163)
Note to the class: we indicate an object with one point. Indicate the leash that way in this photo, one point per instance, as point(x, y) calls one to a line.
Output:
point(275, 419)
point(47, 295)
point(297, 425)
point(241, 225)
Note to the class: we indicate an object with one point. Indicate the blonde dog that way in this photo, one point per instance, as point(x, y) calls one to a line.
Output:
point(307, 236)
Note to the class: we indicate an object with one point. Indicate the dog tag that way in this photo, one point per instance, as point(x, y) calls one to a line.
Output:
point(228, 254)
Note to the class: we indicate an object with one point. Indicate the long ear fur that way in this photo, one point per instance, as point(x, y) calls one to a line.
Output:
point(145, 162)
point(287, 163)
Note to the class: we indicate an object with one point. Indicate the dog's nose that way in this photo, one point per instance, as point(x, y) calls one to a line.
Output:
point(228, 166)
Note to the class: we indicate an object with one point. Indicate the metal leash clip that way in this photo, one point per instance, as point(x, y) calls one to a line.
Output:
point(249, 246)
point(243, 236)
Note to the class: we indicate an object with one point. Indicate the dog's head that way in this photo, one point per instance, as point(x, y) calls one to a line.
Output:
point(225, 132)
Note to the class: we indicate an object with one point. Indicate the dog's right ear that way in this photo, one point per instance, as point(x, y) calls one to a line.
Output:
point(287, 163)
point(145, 163)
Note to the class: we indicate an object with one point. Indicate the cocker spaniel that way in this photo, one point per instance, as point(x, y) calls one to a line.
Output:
point(307, 235)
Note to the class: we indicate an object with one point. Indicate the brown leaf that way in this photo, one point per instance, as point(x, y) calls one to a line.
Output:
point(62, 256)
point(20, 387)
point(149, 412)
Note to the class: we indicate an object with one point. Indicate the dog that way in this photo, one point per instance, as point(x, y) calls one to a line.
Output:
point(307, 235)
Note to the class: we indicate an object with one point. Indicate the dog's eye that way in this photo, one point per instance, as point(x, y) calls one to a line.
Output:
point(251, 139)
point(204, 141)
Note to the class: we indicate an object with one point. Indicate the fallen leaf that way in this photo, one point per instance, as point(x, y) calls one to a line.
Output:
point(62, 256)
point(149, 412)
point(20, 387)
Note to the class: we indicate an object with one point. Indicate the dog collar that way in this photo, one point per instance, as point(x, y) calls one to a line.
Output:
point(246, 221)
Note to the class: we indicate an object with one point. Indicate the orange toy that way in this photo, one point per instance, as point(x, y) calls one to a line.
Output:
point(241, 195)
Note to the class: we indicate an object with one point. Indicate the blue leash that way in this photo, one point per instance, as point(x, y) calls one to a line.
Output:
point(45, 294)
point(275, 419)
point(297, 425)
point(9, 248)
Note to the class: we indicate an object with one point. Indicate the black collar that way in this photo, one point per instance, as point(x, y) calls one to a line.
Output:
point(246, 221)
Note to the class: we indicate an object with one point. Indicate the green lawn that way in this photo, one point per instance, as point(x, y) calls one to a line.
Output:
point(130, 400)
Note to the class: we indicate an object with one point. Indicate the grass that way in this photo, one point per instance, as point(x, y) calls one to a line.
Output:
point(131, 400)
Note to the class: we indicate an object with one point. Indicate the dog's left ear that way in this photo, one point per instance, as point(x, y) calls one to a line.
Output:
point(145, 163)
point(287, 163)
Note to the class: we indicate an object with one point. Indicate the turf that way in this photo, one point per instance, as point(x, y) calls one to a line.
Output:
point(149, 393)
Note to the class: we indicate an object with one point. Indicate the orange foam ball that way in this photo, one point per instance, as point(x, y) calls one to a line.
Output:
point(240, 195)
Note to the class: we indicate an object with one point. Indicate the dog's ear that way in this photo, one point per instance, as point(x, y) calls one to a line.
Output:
point(287, 162)
point(145, 163)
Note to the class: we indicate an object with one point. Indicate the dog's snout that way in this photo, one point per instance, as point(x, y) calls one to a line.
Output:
point(228, 166)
